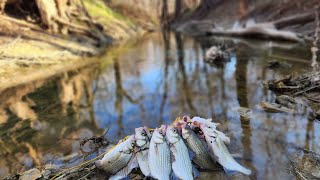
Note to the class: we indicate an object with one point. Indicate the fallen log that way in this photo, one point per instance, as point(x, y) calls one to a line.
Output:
point(270, 30)
point(264, 31)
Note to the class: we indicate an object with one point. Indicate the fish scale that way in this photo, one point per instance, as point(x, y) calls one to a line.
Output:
point(220, 150)
point(202, 158)
point(160, 166)
point(182, 166)
point(118, 165)
point(142, 142)
point(116, 159)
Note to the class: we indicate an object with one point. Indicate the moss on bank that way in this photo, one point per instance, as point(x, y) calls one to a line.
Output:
point(116, 25)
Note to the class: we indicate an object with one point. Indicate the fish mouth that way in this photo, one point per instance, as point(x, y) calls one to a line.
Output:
point(186, 118)
point(163, 128)
point(197, 130)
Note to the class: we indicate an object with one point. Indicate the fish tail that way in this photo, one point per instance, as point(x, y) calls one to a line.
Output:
point(230, 163)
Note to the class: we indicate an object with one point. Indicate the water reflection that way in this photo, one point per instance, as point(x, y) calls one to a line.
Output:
point(44, 118)
point(157, 79)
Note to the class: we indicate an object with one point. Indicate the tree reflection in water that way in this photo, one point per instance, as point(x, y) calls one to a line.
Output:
point(151, 82)
point(35, 131)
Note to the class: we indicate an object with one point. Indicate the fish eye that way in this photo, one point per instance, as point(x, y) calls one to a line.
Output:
point(161, 132)
point(174, 131)
point(143, 134)
point(209, 127)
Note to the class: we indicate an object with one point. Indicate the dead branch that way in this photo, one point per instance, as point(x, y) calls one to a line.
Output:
point(293, 20)
point(314, 48)
point(19, 22)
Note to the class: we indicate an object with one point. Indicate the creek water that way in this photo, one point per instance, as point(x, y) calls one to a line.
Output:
point(150, 82)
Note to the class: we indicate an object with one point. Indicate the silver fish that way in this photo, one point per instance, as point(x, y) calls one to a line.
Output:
point(181, 163)
point(220, 150)
point(196, 121)
point(202, 157)
point(207, 122)
point(159, 155)
point(118, 157)
point(123, 173)
point(143, 136)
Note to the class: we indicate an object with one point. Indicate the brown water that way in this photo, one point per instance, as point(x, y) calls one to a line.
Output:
point(150, 83)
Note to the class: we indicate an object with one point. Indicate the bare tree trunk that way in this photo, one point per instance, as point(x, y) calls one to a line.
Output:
point(48, 10)
point(178, 8)
point(62, 8)
point(2, 6)
point(164, 13)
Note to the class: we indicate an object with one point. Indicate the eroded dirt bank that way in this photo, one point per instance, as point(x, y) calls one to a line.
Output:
point(37, 40)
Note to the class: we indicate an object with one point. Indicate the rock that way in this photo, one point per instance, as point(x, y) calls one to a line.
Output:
point(31, 174)
point(245, 113)
point(215, 54)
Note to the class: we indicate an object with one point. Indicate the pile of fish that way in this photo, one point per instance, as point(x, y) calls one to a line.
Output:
point(174, 151)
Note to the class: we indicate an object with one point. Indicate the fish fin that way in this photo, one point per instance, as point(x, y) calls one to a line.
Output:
point(195, 172)
point(173, 176)
point(223, 137)
point(133, 163)
point(192, 154)
point(98, 163)
point(118, 177)
point(229, 172)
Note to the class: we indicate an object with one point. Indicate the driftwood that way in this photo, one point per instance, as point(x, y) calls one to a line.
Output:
point(269, 30)
point(265, 31)
point(275, 108)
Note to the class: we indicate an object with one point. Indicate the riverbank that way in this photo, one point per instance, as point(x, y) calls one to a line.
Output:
point(28, 51)
point(211, 17)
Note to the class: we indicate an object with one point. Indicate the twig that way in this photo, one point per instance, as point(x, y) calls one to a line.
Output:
point(292, 20)
point(306, 90)
point(296, 171)
point(314, 48)
point(86, 175)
